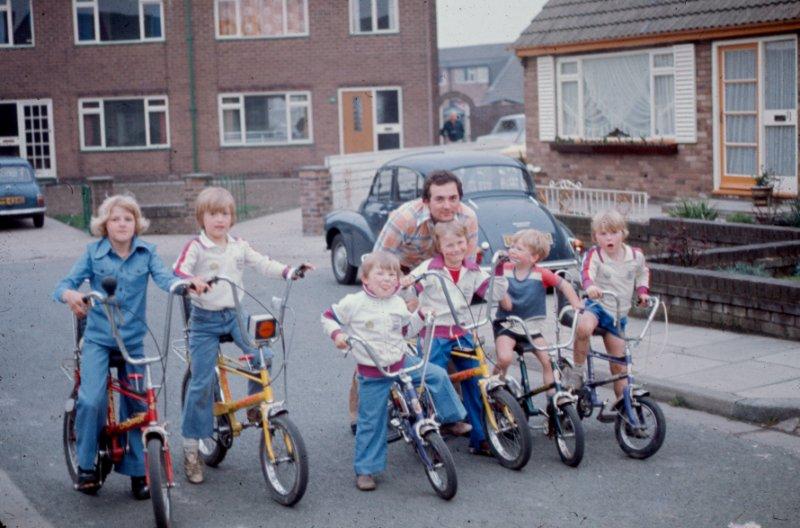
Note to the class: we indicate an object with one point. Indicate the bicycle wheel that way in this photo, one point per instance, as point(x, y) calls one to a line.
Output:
point(287, 476)
point(511, 442)
point(641, 442)
point(214, 448)
point(157, 477)
point(569, 435)
point(68, 435)
point(442, 474)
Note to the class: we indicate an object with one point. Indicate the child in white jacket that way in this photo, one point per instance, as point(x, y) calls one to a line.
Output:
point(379, 316)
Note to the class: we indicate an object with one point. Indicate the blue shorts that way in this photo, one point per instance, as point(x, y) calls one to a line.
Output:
point(605, 320)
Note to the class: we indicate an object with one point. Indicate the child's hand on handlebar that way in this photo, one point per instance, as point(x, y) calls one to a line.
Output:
point(644, 299)
point(340, 341)
point(74, 300)
point(199, 285)
point(593, 292)
point(300, 271)
point(407, 280)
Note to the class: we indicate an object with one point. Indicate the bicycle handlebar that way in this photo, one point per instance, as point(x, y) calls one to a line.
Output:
point(556, 346)
point(653, 303)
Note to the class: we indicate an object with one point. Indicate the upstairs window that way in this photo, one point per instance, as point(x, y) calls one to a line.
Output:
point(118, 21)
point(373, 16)
point(472, 75)
point(16, 23)
point(261, 18)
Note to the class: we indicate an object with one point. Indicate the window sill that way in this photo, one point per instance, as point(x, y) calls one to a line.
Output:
point(614, 147)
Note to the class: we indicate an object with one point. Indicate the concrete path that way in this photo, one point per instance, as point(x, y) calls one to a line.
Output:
point(741, 376)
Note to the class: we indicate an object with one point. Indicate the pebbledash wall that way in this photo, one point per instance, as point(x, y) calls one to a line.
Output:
point(685, 173)
point(328, 58)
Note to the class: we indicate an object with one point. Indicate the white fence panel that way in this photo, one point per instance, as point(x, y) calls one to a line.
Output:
point(569, 197)
point(352, 174)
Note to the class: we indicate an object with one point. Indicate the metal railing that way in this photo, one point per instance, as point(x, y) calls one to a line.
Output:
point(568, 197)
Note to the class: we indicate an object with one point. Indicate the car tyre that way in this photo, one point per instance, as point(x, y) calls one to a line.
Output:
point(343, 272)
point(38, 220)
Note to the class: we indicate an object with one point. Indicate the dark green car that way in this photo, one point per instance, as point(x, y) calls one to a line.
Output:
point(499, 189)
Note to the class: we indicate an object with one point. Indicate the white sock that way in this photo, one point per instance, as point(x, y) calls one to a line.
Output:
point(191, 444)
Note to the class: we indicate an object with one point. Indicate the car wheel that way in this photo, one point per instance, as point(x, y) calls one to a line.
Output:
point(38, 220)
point(343, 272)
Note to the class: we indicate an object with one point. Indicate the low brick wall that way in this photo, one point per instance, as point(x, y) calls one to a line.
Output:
point(729, 301)
point(775, 257)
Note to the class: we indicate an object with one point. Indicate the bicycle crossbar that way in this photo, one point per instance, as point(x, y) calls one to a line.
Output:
point(466, 374)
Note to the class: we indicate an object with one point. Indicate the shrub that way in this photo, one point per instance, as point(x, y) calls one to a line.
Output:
point(700, 210)
point(745, 268)
point(740, 218)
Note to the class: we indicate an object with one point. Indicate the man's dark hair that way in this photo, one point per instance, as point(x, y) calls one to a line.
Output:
point(442, 177)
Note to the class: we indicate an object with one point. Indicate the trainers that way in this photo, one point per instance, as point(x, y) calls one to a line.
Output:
point(192, 466)
point(139, 488)
point(87, 481)
point(483, 450)
point(365, 483)
point(457, 428)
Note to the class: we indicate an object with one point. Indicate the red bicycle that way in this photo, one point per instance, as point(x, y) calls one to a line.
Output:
point(158, 462)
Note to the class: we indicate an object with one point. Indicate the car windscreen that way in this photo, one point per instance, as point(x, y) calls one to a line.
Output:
point(505, 126)
point(483, 178)
point(15, 174)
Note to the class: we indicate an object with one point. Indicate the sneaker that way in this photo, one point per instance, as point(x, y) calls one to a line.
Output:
point(365, 483)
point(457, 428)
point(87, 481)
point(483, 450)
point(193, 466)
point(139, 488)
point(572, 377)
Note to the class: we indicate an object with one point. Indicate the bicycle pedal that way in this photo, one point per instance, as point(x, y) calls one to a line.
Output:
point(603, 417)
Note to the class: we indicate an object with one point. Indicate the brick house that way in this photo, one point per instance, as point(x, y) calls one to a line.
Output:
point(102, 87)
point(673, 98)
point(482, 83)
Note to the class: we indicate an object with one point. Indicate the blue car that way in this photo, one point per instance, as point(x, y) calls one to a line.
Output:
point(20, 196)
point(498, 188)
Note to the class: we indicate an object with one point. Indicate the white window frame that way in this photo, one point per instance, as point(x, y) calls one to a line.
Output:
point(243, 126)
point(150, 105)
point(397, 128)
point(21, 141)
point(578, 76)
point(469, 75)
point(240, 36)
point(10, 27)
point(395, 15)
point(716, 109)
point(96, 41)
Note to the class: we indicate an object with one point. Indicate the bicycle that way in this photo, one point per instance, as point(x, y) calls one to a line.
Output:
point(158, 461)
point(282, 452)
point(639, 423)
point(503, 419)
point(563, 424)
point(413, 416)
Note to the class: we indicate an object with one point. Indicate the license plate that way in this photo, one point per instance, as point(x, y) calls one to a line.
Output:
point(12, 200)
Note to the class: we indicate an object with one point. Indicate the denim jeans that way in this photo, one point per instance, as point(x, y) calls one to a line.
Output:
point(470, 392)
point(205, 328)
point(373, 393)
point(92, 408)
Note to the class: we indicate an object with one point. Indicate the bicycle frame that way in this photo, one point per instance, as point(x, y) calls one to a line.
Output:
point(225, 365)
point(631, 390)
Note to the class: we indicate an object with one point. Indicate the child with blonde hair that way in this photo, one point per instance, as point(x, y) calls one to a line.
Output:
point(215, 253)
point(527, 298)
point(610, 265)
point(379, 316)
point(121, 254)
point(463, 279)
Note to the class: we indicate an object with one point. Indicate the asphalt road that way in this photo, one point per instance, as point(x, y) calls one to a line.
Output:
point(710, 471)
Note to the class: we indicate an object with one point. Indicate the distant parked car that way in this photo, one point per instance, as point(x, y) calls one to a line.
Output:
point(20, 196)
point(498, 188)
point(509, 129)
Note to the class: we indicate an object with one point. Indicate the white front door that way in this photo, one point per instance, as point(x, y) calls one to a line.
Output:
point(757, 109)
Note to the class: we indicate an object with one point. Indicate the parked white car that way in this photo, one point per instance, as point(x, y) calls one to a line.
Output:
point(508, 129)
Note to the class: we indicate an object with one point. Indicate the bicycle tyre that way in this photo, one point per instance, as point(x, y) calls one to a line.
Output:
point(649, 413)
point(212, 449)
point(159, 484)
point(439, 453)
point(569, 422)
point(511, 445)
point(69, 438)
point(289, 493)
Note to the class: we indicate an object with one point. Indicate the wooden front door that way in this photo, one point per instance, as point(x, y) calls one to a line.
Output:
point(357, 121)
